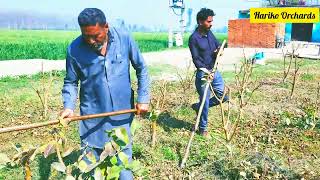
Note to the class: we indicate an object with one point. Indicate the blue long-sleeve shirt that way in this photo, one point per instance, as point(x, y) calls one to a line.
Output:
point(202, 49)
point(105, 84)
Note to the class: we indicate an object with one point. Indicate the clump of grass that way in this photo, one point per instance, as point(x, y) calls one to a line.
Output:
point(307, 77)
point(169, 154)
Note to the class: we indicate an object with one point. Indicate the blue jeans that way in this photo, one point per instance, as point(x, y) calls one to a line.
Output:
point(218, 87)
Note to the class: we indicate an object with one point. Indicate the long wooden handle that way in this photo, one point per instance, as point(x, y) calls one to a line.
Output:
point(186, 155)
point(218, 55)
point(75, 118)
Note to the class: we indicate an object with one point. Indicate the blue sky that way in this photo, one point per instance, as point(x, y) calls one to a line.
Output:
point(146, 12)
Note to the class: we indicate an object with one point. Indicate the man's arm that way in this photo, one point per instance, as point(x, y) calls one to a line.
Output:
point(216, 45)
point(196, 58)
point(216, 42)
point(140, 66)
point(70, 87)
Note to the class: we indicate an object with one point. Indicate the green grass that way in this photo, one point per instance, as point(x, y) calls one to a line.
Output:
point(307, 77)
point(24, 44)
point(33, 44)
point(169, 154)
point(158, 70)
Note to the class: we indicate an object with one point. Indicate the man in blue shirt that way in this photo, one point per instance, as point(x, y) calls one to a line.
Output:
point(204, 48)
point(100, 59)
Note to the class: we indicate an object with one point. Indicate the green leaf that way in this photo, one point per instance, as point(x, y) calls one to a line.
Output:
point(114, 172)
point(308, 121)
point(287, 121)
point(114, 160)
point(134, 166)
point(59, 166)
point(153, 116)
point(120, 134)
point(134, 126)
point(82, 166)
point(98, 174)
point(109, 132)
point(91, 157)
point(108, 151)
point(115, 145)
point(103, 169)
point(123, 158)
point(120, 143)
point(108, 147)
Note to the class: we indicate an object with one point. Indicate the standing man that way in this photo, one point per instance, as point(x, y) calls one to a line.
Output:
point(100, 59)
point(204, 48)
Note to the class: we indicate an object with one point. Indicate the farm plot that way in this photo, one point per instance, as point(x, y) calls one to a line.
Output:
point(278, 136)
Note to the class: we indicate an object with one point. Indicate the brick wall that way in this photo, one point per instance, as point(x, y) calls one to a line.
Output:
point(241, 33)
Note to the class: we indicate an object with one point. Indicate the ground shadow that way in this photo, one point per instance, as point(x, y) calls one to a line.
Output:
point(167, 122)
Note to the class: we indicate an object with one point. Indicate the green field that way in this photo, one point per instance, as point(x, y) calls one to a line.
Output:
point(38, 44)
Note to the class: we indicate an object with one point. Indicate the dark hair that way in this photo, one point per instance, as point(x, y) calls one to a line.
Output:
point(204, 13)
point(91, 16)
